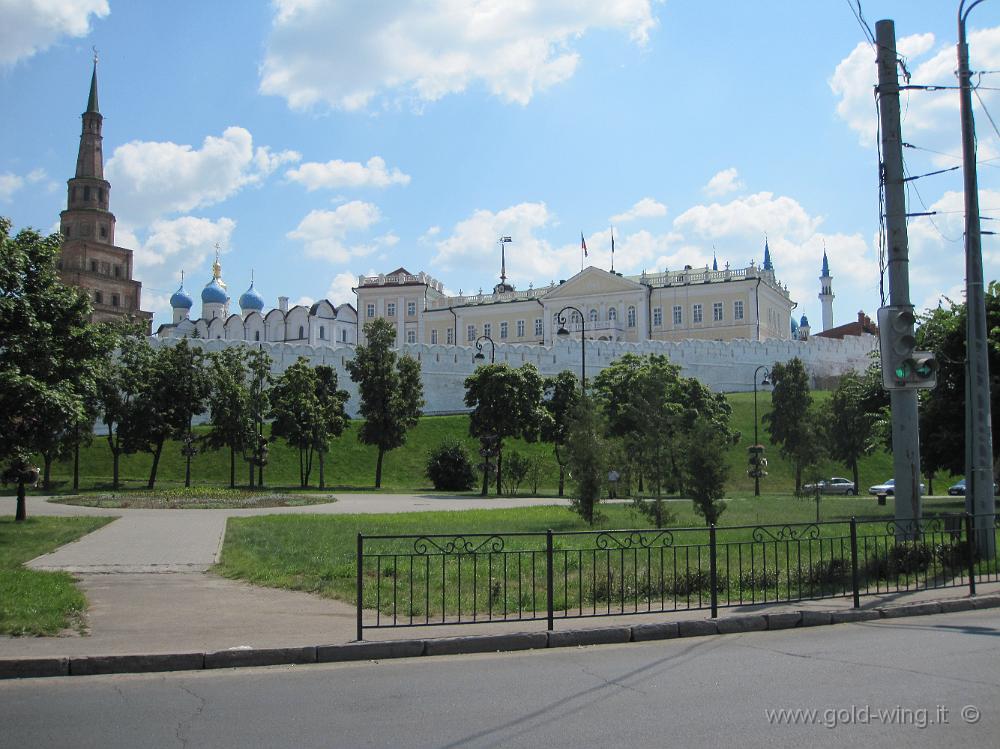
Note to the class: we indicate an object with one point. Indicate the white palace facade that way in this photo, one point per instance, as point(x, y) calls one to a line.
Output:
point(692, 303)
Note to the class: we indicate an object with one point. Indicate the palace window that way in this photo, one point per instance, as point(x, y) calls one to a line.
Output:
point(657, 316)
point(520, 328)
point(487, 328)
point(411, 308)
point(503, 329)
point(451, 336)
point(613, 313)
point(115, 300)
point(631, 317)
point(434, 337)
point(593, 315)
point(371, 310)
point(539, 326)
point(678, 314)
point(411, 336)
point(390, 309)
point(717, 312)
point(470, 333)
point(738, 310)
point(696, 314)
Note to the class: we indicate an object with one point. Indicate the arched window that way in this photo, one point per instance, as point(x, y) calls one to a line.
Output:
point(631, 317)
point(593, 315)
point(302, 332)
point(256, 336)
point(613, 313)
point(322, 333)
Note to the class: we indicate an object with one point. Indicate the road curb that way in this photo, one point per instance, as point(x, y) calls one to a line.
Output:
point(89, 665)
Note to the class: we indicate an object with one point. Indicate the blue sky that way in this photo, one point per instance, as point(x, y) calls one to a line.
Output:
point(315, 141)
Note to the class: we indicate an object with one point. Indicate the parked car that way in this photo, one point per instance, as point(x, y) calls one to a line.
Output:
point(834, 485)
point(889, 488)
point(958, 490)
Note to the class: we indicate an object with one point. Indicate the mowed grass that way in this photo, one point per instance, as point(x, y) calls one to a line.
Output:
point(351, 465)
point(34, 602)
point(317, 553)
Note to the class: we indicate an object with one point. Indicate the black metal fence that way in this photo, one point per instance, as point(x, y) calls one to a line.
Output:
point(411, 581)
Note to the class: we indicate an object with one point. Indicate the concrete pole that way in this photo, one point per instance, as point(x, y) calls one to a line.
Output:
point(978, 419)
point(905, 433)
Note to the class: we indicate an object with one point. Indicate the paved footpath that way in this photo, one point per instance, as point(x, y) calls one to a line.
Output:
point(146, 576)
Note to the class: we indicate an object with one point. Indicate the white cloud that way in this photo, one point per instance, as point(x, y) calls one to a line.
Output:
point(645, 208)
point(325, 233)
point(153, 179)
point(925, 113)
point(346, 54)
point(9, 184)
point(337, 173)
point(185, 242)
point(340, 290)
point(759, 214)
point(473, 244)
point(32, 26)
point(723, 183)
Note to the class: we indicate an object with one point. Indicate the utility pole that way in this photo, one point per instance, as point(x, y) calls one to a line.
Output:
point(905, 432)
point(979, 440)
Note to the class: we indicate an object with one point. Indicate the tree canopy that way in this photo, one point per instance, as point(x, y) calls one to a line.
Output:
point(390, 390)
point(51, 354)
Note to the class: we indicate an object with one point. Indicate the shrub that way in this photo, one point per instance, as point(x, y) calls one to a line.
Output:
point(515, 470)
point(449, 467)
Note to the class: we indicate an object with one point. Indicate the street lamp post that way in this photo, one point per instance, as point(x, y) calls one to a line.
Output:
point(756, 442)
point(583, 341)
point(480, 356)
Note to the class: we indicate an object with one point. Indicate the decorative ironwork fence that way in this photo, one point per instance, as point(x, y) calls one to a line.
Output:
point(432, 580)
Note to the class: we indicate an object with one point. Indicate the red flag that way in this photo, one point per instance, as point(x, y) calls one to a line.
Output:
point(583, 245)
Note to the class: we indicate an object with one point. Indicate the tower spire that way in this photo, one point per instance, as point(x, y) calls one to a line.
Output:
point(826, 294)
point(92, 100)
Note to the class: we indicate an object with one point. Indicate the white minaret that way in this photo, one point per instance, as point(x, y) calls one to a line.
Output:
point(826, 294)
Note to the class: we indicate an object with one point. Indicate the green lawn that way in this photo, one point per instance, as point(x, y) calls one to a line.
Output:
point(33, 602)
point(317, 553)
point(351, 465)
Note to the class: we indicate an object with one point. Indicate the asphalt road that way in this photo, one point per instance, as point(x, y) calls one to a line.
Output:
point(922, 681)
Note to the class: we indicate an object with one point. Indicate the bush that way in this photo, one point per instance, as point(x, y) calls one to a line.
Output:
point(515, 471)
point(449, 467)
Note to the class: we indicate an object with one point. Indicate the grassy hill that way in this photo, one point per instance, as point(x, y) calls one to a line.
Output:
point(351, 465)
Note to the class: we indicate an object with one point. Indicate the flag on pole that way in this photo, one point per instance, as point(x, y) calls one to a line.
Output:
point(612, 250)
point(583, 245)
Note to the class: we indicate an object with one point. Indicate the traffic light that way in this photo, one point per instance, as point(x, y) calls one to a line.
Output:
point(903, 367)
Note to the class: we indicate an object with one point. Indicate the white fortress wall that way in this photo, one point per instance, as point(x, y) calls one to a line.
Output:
point(722, 366)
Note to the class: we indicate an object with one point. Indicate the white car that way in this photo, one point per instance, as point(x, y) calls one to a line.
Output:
point(835, 485)
point(889, 488)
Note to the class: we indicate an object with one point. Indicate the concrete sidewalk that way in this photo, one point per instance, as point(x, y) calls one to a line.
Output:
point(149, 592)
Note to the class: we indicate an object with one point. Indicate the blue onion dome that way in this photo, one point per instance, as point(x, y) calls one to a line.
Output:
point(214, 293)
point(795, 327)
point(804, 322)
point(251, 299)
point(181, 299)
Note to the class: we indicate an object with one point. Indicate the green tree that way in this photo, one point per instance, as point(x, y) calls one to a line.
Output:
point(849, 427)
point(586, 452)
point(295, 411)
point(942, 410)
point(505, 403)
point(390, 391)
point(259, 382)
point(560, 396)
point(332, 415)
point(449, 467)
point(50, 357)
point(174, 392)
point(229, 405)
point(706, 469)
point(119, 389)
point(787, 422)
